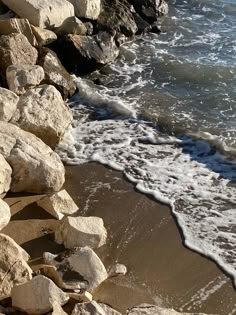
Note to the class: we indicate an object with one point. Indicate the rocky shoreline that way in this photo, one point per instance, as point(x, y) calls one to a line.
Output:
point(41, 44)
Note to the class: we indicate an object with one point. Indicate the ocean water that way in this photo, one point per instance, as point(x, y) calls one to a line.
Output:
point(166, 118)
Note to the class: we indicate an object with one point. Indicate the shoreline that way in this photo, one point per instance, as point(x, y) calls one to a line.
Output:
point(160, 269)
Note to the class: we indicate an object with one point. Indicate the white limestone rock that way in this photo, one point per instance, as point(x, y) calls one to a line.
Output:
point(81, 231)
point(42, 111)
point(58, 204)
point(117, 270)
point(35, 167)
point(89, 9)
point(14, 269)
point(5, 214)
point(42, 13)
point(80, 265)
point(147, 309)
point(44, 37)
point(83, 296)
point(21, 77)
point(90, 308)
point(57, 310)
point(8, 103)
point(14, 25)
point(5, 175)
point(38, 296)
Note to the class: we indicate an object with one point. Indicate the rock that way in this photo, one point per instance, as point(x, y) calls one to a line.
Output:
point(71, 25)
point(89, 27)
point(14, 25)
point(42, 13)
point(21, 77)
point(81, 231)
point(147, 309)
point(150, 10)
point(58, 204)
point(89, 9)
point(43, 112)
point(116, 16)
point(117, 270)
point(143, 26)
point(57, 310)
point(79, 266)
point(8, 103)
point(14, 269)
point(43, 37)
point(35, 167)
point(109, 310)
point(6, 310)
point(16, 49)
point(90, 308)
point(86, 52)
point(38, 296)
point(81, 296)
point(5, 213)
point(55, 73)
point(5, 176)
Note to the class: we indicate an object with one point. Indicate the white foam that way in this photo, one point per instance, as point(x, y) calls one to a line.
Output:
point(183, 173)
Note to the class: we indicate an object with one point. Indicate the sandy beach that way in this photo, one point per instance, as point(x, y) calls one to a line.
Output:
point(142, 234)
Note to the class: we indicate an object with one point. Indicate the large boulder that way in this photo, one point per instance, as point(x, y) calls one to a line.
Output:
point(55, 73)
point(116, 16)
point(35, 167)
point(150, 10)
point(5, 213)
point(21, 77)
point(5, 176)
point(38, 296)
point(43, 112)
point(14, 25)
point(14, 269)
point(147, 309)
point(86, 52)
point(58, 204)
point(8, 103)
point(79, 266)
point(89, 9)
point(43, 37)
point(16, 49)
point(81, 231)
point(42, 13)
point(72, 25)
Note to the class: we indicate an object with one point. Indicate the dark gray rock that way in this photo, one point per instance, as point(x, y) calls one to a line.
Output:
point(55, 73)
point(116, 16)
point(150, 10)
point(83, 54)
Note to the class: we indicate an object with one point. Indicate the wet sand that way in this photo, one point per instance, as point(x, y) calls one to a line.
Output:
point(142, 234)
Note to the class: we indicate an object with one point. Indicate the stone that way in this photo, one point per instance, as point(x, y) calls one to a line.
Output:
point(89, 9)
point(14, 25)
point(80, 265)
point(148, 309)
point(83, 296)
point(81, 231)
point(142, 25)
point(42, 13)
point(58, 204)
point(35, 167)
point(22, 77)
point(43, 37)
point(109, 310)
point(89, 27)
point(8, 103)
point(5, 176)
point(150, 10)
point(117, 270)
point(90, 308)
point(87, 53)
point(116, 16)
point(38, 296)
point(42, 111)
point(71, 25)
point(57, 310)
point(16, 49)
point(55, 73)
point(14, 269)
point(5, 213)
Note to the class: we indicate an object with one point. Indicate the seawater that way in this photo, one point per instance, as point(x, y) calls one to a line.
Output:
point(166, 118)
